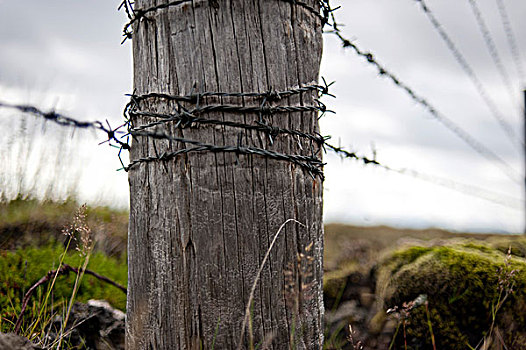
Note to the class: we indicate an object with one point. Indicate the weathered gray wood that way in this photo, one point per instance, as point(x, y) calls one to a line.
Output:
point(201, 224)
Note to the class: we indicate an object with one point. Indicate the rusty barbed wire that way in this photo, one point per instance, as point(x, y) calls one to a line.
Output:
point(512, 42)
point(468, 70)
point(470, 140)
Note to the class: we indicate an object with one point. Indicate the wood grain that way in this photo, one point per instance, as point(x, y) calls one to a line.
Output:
point(201, 224)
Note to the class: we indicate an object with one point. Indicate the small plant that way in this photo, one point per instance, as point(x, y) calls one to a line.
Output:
point(81, 233)
point(356, 344)
point(403, 314)
point(505, 284)
point(298, 287)
point(37, 313)
point(247, 320)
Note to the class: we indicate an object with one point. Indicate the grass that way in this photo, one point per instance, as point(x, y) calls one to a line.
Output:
point(32, 243)
point(27, 262)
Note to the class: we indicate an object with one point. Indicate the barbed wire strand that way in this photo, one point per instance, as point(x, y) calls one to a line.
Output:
point(138, 15)
point(60, 119)
point(185, 117)
point(512, 42)
point(127, 5)
point(461, 60)
point(184, 120)
point(269, 96)
point(470, 140)
point(493, 51)
point(469, 190)
point(313, 165)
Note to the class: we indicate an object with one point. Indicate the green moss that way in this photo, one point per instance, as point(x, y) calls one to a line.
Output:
point(21, 268)
point(335, 281)
point(518, 245)
point(461, 282)
point(405, 256)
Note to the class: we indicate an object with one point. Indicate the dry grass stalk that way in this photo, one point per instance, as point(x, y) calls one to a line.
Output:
point(356, 345)
point(256, 280)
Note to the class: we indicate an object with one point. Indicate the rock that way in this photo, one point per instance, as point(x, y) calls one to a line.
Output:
point(462, 281)
point(95, 325)
point(117, 314)
point(347, 311)
point(10, 341)
point(367, 299)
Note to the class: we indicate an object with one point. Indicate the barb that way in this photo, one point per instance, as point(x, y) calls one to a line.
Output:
point(63, 120)
point(506, 127)
point(269, 96)
point(185, 119)
point(470, 190)
point(127, 5)
point(476, 145)
point(323, 17)
point(511, 39)
point(138, 15)
point(312, 164)
point(347, 154)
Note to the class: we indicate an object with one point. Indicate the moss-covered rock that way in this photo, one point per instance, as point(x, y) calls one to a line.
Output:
point(461, 281)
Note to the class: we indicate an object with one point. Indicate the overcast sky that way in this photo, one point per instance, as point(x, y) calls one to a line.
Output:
point(67, 55)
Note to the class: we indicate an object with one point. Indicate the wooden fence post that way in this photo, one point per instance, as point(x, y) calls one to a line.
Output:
point(202, 220)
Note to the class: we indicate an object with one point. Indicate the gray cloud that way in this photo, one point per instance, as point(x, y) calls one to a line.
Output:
point(71, 50)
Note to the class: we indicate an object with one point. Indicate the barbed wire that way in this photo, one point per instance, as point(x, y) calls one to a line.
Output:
point(461, 60)
point(511, 39)
point(492, 48)
point(470, 190)
point(60, 119)
point(465, 136)
point(138, 15)
point(312, 164)
point(184, 116)
point(185, 119)
point(268, 96)
point(127, 5)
